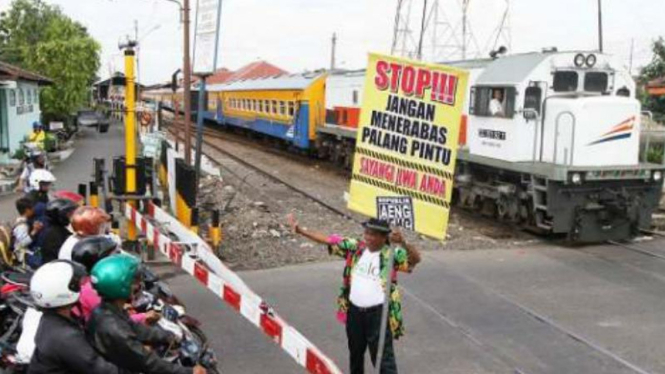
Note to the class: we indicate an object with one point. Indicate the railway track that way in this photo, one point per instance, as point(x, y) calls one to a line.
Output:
point(218, 148)
point(487, 226)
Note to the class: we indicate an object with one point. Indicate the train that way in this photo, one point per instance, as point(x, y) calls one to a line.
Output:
point(549, 140)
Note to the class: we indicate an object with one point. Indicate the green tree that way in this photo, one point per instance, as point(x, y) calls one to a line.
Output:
point(655, 69)
point(40, 38)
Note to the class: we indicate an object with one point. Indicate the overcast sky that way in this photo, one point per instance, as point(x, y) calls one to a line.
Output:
point(295, 34)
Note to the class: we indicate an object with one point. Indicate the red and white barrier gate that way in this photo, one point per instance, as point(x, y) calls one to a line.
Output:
point(203, 265)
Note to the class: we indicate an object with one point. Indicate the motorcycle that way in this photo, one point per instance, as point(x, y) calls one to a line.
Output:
point(17, 313)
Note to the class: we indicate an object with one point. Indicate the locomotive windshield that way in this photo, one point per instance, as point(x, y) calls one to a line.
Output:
point(595, 82)
point(565, 81)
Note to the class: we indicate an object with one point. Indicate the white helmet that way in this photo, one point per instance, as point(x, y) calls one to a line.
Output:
point(40, 175)
point(56, 284)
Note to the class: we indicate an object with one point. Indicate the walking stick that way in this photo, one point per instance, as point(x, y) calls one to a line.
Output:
point(384, 311)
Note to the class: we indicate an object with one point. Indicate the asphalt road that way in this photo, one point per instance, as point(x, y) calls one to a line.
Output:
point(542, 309)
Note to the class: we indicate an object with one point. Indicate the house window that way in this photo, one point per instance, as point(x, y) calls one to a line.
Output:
point(274, 107)
point(493, 102)
point(355, 97)
point(29, 92)
point(292, 108)
point(12, 97)
point(282, 108)
point(565, 81)
point(36, 96)
point(21, 97)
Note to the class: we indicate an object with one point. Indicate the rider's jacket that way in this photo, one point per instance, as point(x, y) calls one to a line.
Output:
point(62, 348)
point(123, 342)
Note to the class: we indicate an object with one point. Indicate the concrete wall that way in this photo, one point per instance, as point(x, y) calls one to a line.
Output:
point(22, 110)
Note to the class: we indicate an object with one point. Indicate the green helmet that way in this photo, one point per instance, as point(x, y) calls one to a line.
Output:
point(113, 276)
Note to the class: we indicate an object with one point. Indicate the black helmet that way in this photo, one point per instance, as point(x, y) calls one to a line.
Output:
point(88, 251)
point(59, 210)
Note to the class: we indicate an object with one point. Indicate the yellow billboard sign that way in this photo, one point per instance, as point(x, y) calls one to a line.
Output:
point(406, 146)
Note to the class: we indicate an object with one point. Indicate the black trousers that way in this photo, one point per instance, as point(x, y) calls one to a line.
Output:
point(362, 330)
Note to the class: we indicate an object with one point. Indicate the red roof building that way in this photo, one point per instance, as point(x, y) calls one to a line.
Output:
point(656, 87)
point(255, 70)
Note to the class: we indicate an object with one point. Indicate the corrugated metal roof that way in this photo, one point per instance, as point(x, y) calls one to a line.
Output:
point(511, 69)
point(14, 72)
point(285, 82)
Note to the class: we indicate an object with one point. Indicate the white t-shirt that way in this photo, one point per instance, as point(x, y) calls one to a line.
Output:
point(366, 289)
point(65, 252)
point(496, 108)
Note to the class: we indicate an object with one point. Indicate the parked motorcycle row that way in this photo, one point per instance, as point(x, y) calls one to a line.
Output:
point(19, 319)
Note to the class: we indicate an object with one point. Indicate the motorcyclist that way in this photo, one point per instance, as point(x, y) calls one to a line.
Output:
point(38, 135)
point(88, 252)
point(61, 345)
point(41, 181)
point(87, 221)
point(36, 160)
point(116, 278)
point(55, 232)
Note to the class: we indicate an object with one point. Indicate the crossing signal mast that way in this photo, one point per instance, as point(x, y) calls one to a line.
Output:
point(442, 30)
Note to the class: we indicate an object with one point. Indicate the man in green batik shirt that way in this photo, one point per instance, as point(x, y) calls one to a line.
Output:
point(362, 293)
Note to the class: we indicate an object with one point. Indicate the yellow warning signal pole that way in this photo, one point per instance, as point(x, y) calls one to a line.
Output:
point(130, 130)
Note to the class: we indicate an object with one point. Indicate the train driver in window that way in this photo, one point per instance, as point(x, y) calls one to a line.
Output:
point(496, 104)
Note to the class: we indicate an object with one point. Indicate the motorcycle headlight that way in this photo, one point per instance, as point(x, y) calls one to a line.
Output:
point(657, 176)
point(576, 178)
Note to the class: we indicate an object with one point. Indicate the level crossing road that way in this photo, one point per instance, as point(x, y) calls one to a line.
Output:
point(538, 309)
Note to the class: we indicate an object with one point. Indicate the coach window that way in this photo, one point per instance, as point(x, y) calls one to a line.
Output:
point(282, 108)
point(274, 107)
point(565, 81)
point(493, 102)
point(260, 108)
point(292, 108)
point(595, 82)
point(532, 98)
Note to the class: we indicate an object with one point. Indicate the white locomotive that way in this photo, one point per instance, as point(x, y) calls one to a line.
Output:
point(549, 140)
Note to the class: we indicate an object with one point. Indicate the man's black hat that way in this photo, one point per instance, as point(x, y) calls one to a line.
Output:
point(379, 225)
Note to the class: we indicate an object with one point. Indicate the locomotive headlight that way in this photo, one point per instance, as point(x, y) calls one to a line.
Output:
point(657, 176)
point(591, 60)
point(576, 178)
point(579, 60)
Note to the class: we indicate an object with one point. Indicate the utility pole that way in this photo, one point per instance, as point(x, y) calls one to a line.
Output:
point(422, 31)
point(332, 55)
point(138, 50)
point(600, 25)
point(465, 7)
point(632, 48)
point(187, 72)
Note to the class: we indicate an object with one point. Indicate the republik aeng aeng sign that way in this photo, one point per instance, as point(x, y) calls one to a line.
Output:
point(406, 147)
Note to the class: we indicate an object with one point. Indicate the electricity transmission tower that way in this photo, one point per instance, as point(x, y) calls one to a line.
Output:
point(442, 30)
